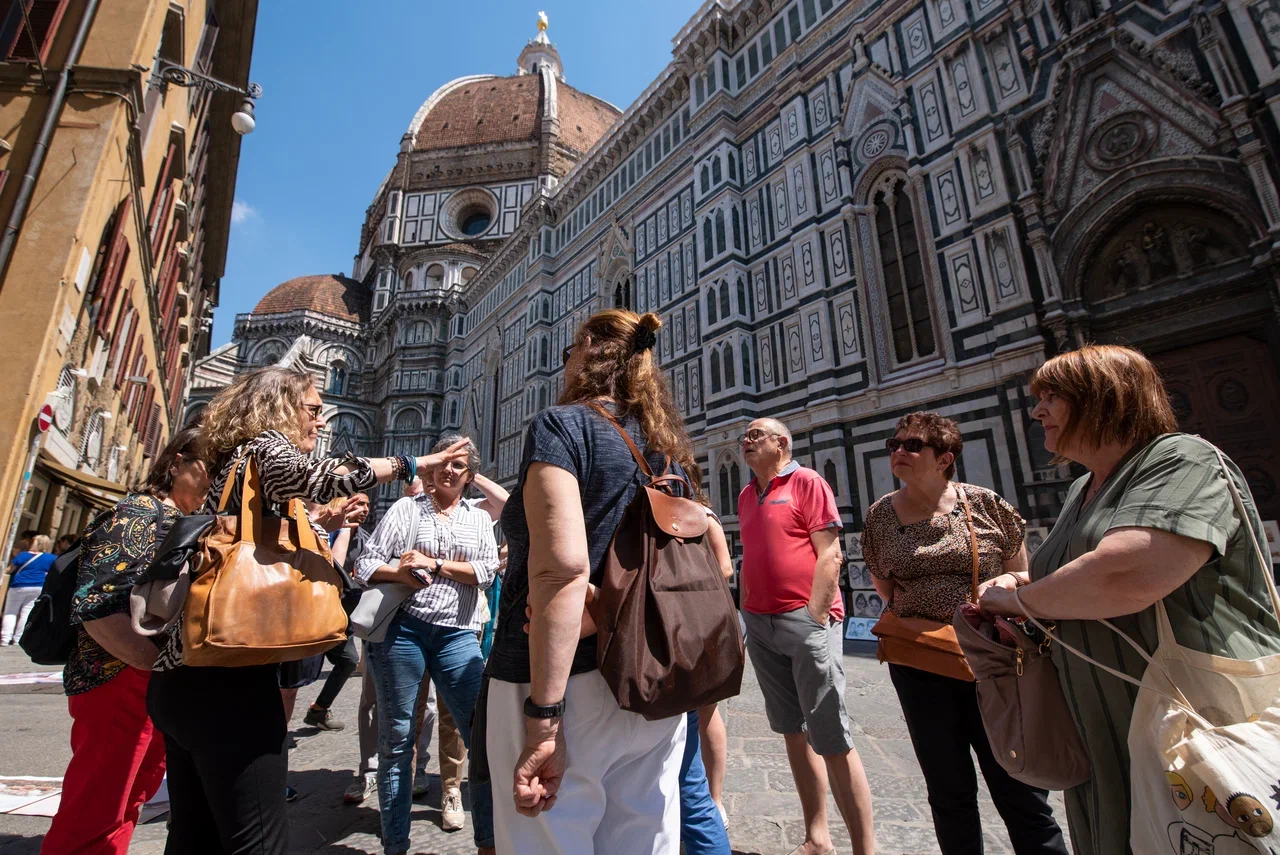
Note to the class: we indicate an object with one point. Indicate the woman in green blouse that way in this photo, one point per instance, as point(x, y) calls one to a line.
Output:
point(1152, 519)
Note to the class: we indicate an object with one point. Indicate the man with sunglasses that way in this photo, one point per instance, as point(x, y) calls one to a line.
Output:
point(794, 616)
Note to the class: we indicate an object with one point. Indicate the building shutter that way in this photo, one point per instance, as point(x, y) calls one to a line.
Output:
point(23, 44)
point(152, 446)
point(113, 269)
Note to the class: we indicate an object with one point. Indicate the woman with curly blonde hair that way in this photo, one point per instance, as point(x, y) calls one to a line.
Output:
point(224, 728)
point(546, 700)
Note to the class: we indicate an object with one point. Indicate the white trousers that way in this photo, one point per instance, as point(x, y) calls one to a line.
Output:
point(621, 789)
point(17, 608)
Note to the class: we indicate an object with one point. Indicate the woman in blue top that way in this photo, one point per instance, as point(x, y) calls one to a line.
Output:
point(27, 574)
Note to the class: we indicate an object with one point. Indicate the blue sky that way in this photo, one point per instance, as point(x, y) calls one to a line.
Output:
point(341, 81)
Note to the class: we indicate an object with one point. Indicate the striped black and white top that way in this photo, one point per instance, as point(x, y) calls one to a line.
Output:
point(285, 473)
point(465, 535)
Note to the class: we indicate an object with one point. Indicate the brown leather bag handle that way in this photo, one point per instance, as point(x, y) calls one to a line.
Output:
point(251, 509)
point(973, 541)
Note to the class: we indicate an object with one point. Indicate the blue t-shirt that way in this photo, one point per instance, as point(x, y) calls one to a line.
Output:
point(36, 568)
point(579, 440)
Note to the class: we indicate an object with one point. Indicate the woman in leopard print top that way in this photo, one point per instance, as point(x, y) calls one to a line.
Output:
point(916, 544)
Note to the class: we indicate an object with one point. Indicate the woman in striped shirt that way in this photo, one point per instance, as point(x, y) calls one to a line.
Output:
point(444, 547)
point(224, 728)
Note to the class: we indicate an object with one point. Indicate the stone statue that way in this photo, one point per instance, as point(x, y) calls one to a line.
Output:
point(1078, 12)
point(1131, 269)
point(1155, 243)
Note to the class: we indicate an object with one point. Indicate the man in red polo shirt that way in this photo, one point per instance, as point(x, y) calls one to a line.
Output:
point(793, 611)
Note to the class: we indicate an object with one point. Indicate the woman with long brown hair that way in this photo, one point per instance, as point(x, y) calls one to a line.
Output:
point(224, 728)
point(547, 701)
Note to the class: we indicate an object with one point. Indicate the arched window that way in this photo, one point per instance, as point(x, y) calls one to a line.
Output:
point(408, 420)
point(337, 379)
point(725, 494)
point(622, 295)
point(742, 297)
point(435, 276)
point(91, 448)
point(902, 272)
point(706, 178)
point(735, 484)
point(737, 229)
point(544, 352)
point(829, 473)
point(729, 380)
point(725, 309)
point(733, 167)
point(453, 411)
point(408, 281)
point(746, 365)
point(542, 398)
point(708, 248)
point(546, 308)
point(715, 371)
point(716, 175)
point(711, 307)
point(720, 247)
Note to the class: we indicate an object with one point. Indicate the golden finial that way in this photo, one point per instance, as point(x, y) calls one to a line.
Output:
point(542, 22)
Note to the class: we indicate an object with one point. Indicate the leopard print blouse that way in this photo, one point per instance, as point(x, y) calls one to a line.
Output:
point(930, 562)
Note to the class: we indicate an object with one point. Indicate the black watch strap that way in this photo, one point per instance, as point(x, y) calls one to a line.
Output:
point(532, 710)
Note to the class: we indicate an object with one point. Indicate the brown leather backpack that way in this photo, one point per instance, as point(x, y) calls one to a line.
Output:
point(266, 589)
point(669, 638)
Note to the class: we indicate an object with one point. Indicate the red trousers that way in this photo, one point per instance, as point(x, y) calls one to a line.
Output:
point(117, 763)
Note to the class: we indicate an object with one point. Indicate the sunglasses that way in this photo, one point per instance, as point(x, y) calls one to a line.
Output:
point(314, 410)
point(457, 466)
point(911, 445)
point(564, 354)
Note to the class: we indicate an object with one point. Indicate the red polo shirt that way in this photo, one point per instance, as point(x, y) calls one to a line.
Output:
point(777, 556)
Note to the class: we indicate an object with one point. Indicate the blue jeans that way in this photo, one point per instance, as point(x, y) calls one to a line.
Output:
point(701, 829)
point(411, 650)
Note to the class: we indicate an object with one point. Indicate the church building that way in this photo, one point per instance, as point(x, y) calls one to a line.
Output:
point(844, 211)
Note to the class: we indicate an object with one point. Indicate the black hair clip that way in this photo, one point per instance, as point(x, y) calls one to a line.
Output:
point(645, 338)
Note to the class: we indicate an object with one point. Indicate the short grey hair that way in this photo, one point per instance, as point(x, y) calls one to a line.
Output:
point(781, 430)
point(473, 453)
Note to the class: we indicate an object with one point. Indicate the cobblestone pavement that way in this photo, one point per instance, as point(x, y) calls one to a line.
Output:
point(764, 812)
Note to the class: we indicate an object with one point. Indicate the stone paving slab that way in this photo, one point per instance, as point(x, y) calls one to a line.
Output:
point(764, 811)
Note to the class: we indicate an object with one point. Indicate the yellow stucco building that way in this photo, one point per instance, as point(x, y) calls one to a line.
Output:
point(117, 177)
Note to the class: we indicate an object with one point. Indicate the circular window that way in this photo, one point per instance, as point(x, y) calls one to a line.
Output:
point(475, 222)
point(469, 213)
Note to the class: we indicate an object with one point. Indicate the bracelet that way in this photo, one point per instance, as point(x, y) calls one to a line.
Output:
point(409, 468)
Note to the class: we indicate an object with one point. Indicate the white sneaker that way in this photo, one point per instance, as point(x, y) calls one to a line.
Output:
point(361, 789)
point(452, 817)
point(421, 784)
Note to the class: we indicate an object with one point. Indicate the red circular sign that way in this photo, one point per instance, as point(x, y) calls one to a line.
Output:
point(45, 418)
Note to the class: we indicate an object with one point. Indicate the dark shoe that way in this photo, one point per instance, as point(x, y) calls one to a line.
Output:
point(290, 794)
point(322, 719)
point(290, 742)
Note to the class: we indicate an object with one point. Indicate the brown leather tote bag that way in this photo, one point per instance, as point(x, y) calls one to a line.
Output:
point(1024, 711)
point(928, 645)
point(266, 590)
point(669, 637)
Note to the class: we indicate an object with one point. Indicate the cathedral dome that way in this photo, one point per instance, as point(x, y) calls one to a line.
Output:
point(485, 109)
point(328, 294)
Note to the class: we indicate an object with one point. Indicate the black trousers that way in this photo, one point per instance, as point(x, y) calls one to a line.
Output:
point(224, 736)
point(344, 658)
point(943, 719)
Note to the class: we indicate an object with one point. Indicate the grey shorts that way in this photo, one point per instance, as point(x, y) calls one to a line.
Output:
point(800, 666)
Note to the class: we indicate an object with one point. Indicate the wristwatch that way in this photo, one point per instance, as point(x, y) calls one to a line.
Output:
point(439, 565)
point(532, 710)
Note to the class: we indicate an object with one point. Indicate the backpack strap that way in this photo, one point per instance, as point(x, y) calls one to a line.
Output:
point(631, 443)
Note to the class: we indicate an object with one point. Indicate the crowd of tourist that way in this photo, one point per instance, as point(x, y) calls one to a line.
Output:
point(509, 684)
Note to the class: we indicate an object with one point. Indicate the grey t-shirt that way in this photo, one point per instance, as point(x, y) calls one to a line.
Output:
point(577, 439)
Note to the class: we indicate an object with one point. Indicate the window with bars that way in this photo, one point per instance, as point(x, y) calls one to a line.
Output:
point(902, 271)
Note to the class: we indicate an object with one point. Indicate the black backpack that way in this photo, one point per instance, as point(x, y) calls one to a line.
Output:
point(50, 635)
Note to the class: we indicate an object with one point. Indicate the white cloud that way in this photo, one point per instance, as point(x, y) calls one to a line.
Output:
point(242, 212)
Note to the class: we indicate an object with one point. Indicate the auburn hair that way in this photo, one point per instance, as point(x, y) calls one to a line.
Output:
point(1115, 394)
point(614, 366)
point(264, 399)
